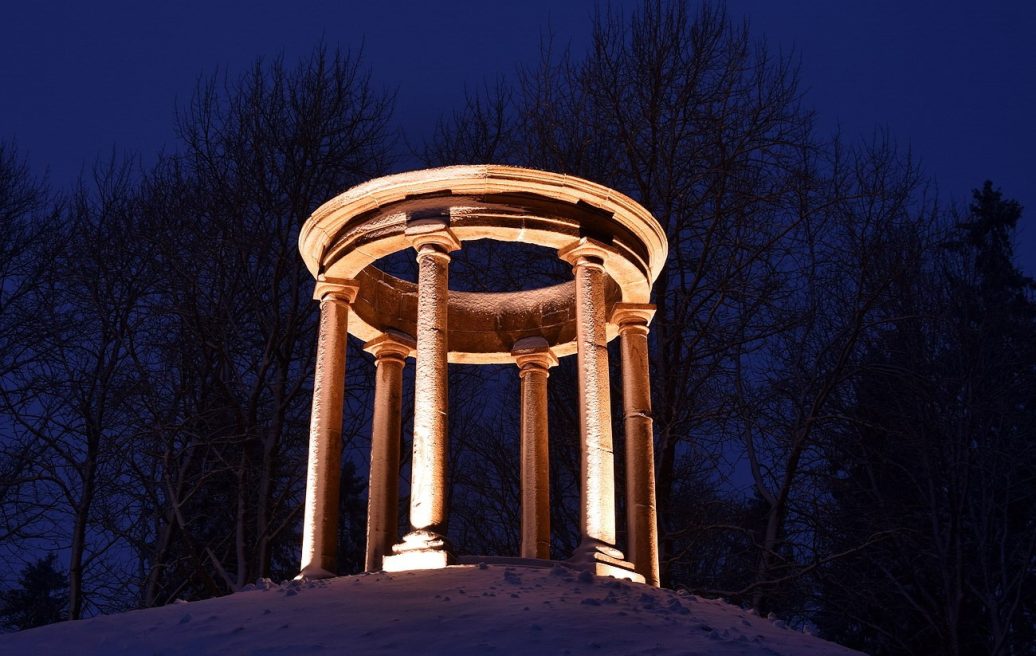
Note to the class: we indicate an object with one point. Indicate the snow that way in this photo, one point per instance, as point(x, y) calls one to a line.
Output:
point(468, 609)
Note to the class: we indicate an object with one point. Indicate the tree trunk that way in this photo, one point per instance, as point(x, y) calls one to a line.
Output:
point(82, 517)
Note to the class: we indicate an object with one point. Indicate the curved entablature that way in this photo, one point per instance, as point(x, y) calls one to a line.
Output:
point(481, 332)
point(345, 237)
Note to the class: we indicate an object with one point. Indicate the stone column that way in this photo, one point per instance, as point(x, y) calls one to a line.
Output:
point(641, 522)
point(597, 551)
point(320, 519)
point(534, 357)
point(390, 351)
point(424, 547)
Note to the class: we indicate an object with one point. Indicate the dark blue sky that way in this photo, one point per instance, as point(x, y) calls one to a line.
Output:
point(953, 80)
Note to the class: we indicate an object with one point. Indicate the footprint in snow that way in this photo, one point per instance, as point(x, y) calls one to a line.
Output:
point(676, 607)
point(512, 577)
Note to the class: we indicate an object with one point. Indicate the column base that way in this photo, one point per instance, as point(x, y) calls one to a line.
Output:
point(418, 550)
point(314, 573)
point(603, 560)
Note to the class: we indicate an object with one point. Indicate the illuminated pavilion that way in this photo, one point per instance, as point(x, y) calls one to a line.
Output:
point(616, 250)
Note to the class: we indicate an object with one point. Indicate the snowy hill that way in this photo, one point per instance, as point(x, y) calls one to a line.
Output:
point(498, 609)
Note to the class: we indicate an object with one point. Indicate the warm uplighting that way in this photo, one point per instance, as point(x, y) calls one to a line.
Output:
point(434, 211)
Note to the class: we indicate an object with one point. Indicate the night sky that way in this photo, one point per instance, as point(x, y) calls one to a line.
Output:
point(952, 80)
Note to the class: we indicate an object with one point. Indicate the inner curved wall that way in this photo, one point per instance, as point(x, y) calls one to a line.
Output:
point(483, 326)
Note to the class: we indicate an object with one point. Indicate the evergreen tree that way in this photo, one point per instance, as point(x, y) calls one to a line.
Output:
point(938, 471)
point(40, 599)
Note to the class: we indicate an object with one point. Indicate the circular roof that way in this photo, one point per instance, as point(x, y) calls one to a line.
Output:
point(346, 235)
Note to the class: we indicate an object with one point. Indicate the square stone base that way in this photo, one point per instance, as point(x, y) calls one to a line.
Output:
point(422, 559)
point(620, 570)
point(604, 560)
point(418, 550)
point(314, 573)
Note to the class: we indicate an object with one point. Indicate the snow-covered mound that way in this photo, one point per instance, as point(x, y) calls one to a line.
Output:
point(498, 609)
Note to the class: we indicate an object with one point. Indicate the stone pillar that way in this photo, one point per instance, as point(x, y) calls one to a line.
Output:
point(534, 357)
point(320, 518)
point(424, 547)
point(390, 351)
point(641, 521)
point(597, 551)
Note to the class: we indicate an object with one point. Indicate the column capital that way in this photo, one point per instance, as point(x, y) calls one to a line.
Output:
point(434, 232)
point(533, 352)
point(343, 290)
point(391, 343)
point(632, 315)
point(586, 250)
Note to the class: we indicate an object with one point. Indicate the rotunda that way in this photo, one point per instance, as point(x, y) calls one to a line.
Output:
point(616, 250)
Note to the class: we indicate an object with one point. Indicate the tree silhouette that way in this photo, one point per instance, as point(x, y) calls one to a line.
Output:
point(40, 599)
point(938, 468)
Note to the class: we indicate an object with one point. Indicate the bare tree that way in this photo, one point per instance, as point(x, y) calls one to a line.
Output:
point(25, 222)
point(74, 394)
point(864, 230)
point(259, 154)
point(939, 458)
point(684, 113)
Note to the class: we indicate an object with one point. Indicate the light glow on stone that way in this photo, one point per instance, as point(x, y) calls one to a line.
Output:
point(434, 211)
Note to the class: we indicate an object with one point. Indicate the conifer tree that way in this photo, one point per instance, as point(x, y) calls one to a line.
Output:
point(39, 600)
point(939, 470)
